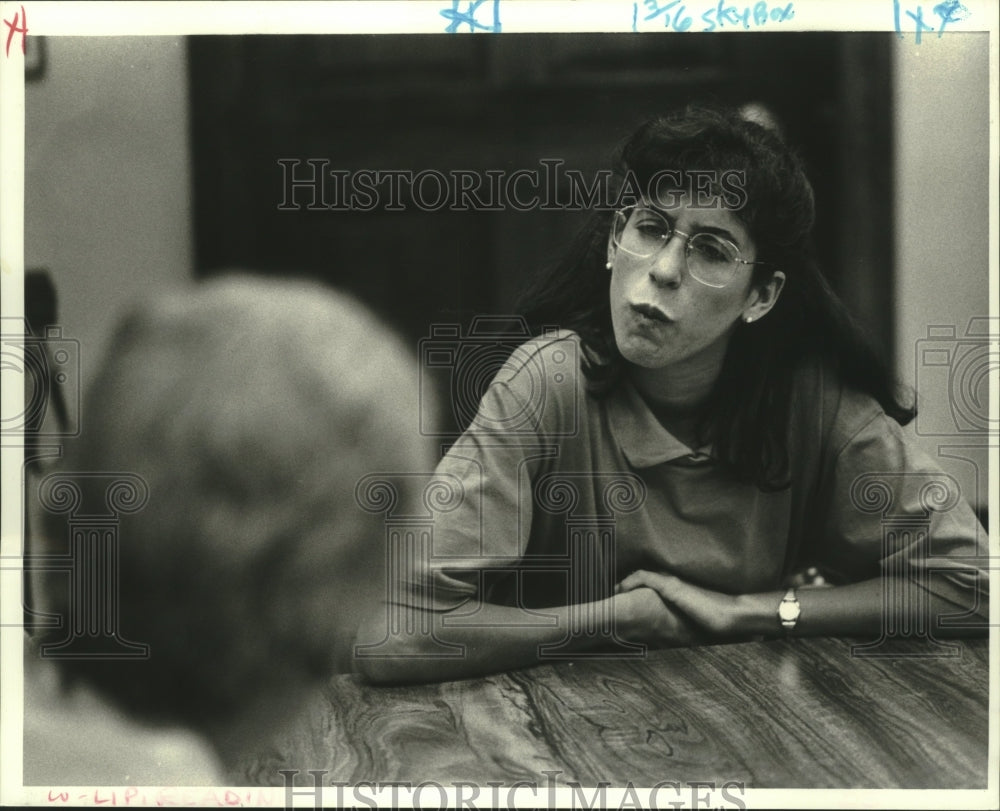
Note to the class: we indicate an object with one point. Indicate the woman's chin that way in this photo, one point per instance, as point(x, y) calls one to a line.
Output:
point(643, 353)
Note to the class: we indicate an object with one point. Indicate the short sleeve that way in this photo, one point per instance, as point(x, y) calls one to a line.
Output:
point(894, 512)
point(526, 412)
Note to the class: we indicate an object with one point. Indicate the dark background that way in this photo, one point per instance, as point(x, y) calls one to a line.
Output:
point(483, 102)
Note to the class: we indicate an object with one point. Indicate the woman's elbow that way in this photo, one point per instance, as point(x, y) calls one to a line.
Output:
point(383, 657)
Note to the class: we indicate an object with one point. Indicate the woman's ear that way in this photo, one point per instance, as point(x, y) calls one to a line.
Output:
point(763, 297)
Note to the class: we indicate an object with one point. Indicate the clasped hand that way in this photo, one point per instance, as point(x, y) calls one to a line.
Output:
point(663, 610)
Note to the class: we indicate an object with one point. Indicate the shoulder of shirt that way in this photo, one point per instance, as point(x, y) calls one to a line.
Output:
point(552, 359)
point(823, 402)
point(544, 377)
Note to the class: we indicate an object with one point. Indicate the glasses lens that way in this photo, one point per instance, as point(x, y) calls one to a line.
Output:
point(712, 260)
point(641, 232)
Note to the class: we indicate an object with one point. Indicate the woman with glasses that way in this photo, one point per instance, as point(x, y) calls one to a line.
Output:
point(698, 421)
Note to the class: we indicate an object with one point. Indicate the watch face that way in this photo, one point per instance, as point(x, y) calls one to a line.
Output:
point(789, 611)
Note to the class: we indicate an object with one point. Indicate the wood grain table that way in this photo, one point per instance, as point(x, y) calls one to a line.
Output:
point(792, 713)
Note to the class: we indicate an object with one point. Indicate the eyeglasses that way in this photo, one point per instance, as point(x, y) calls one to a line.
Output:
point(711, 260)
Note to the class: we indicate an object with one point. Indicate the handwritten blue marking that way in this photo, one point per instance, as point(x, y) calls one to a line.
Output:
point(748, 17)
point(469, 18)
point(948, 11)
point(919, 19)
point(779, 15)
point(674, 15)
point(679, 22)
point(951, 11)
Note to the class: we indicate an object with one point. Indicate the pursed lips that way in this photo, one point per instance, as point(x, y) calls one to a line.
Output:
point(651, 312)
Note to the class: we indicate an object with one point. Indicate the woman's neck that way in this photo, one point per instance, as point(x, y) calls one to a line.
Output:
point(679, 390)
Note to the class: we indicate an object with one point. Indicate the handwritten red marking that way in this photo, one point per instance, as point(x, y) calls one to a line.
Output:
point(21, 29)
point(62, 796)
point(99, 800)
point(164, 797)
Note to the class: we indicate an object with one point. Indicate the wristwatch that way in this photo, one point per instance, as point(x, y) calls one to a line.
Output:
point(789, 610)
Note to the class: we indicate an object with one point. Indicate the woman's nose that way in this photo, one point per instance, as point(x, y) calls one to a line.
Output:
point(669, 264)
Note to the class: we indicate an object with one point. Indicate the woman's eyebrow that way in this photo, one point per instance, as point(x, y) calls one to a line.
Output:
point(718, 231)
point(698, 228)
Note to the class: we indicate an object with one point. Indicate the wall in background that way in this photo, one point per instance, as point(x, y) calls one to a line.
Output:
point(942, 241)
point(107, 177)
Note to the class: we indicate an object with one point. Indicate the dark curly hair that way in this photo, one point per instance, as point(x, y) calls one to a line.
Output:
point(746, 415)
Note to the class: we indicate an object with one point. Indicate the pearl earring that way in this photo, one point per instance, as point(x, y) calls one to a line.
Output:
point(748, 319)
point(608, 264)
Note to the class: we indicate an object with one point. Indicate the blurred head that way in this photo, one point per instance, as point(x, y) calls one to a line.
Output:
point(250, 408)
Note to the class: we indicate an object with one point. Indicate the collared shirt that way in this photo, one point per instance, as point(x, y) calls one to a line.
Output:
point(563, 494)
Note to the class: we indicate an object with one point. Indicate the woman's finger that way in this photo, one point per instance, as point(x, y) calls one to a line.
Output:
point(660, 583)
point(633, 581)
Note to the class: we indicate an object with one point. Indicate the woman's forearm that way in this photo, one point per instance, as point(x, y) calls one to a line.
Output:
point(500, 641)
point(866, 608)
point(856, 609)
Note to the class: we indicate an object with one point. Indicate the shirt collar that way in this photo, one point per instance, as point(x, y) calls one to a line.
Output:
point(642, 437)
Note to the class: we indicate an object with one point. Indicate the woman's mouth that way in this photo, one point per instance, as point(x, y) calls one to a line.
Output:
point(650, 312)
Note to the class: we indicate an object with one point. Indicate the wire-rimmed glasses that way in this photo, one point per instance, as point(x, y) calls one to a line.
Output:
point(643, 232)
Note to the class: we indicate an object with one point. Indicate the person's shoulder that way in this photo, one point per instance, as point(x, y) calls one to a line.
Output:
point(824, 403)
point(551, 359)
point(545, 376)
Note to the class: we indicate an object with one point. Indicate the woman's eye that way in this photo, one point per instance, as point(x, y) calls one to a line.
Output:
point(653, 228)
point(712, 251)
